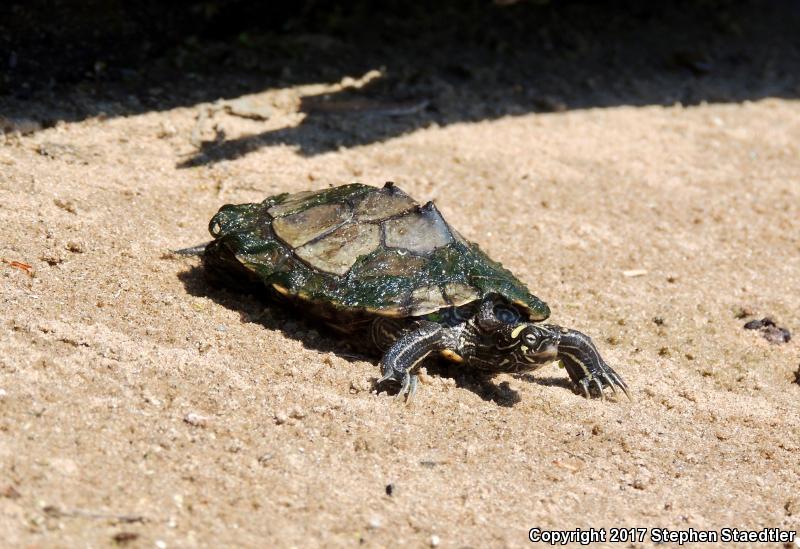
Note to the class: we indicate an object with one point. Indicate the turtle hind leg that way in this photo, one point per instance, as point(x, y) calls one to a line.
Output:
point(407, 352)
point(384, 331)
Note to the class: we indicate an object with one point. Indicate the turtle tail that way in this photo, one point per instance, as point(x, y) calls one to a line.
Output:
point(192, 250)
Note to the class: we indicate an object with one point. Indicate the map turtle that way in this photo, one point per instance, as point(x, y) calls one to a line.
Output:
point(393, 276)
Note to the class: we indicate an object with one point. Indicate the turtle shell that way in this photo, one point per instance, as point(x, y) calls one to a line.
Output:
point(362, 248)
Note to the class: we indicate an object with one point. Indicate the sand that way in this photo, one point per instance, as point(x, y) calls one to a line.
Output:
point(139, 406)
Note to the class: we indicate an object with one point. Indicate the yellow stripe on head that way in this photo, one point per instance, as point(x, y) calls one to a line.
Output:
point(515, 332)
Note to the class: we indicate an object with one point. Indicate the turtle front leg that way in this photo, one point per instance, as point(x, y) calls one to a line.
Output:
point(583, 363)
point(407, 352)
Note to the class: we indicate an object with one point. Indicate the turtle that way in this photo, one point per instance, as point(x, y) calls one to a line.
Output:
point(393, 277)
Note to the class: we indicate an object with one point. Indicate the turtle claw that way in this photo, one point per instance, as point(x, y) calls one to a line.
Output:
point(412, 387)
point(386, 377)
point(593, 384)
point(610, 378)
point(584, 384)
point(404, 385)
point(599, 388)
point(609, 382)
point(618, 382)
point(408, 386)
point(408, 383)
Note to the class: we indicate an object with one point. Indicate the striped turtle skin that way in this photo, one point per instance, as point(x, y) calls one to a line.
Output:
point(393, 276)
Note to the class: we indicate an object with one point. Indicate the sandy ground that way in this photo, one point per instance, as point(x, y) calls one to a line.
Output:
point(138, 406)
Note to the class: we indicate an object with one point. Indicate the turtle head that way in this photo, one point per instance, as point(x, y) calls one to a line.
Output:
point(509, 340)
point(529, 344)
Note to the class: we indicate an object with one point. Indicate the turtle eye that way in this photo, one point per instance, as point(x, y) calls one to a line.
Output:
point(531, 340)
point(506, 315)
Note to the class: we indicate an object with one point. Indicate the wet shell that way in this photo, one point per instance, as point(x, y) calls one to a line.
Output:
point(359, 248)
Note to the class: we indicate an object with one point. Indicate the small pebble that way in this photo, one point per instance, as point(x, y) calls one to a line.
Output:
point(150, 399)
point(248, 107)
point(389, 489)
point(10, 492)
point(281, 418)
point(375, 522)
point(756, 324)
point(769, 330)
point(66, 205)
point(297, 413)
point(51, 257)
point(75, 247)
point(124, 537)
point(792, 507)
point(359, 385)
point(195, 420)
point(435, 540)
point(776, 334)
point(166, 130)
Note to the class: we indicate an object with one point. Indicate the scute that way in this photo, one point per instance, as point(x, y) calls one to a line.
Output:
point(336, 252)
point(298, 228)
point(426, 299)
point(382, 203)
point(391, 263)
point(269, 258)
point(421, 231)
point(292, 203)
point(459, 294)
point(286, 204)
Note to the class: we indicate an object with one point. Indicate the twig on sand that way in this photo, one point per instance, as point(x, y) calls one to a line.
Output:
point(27, 269)
point(633, 273)
point(53, 511)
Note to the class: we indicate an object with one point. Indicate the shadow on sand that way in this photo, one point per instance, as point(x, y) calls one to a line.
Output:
point(445, 63)
point(256, 308)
